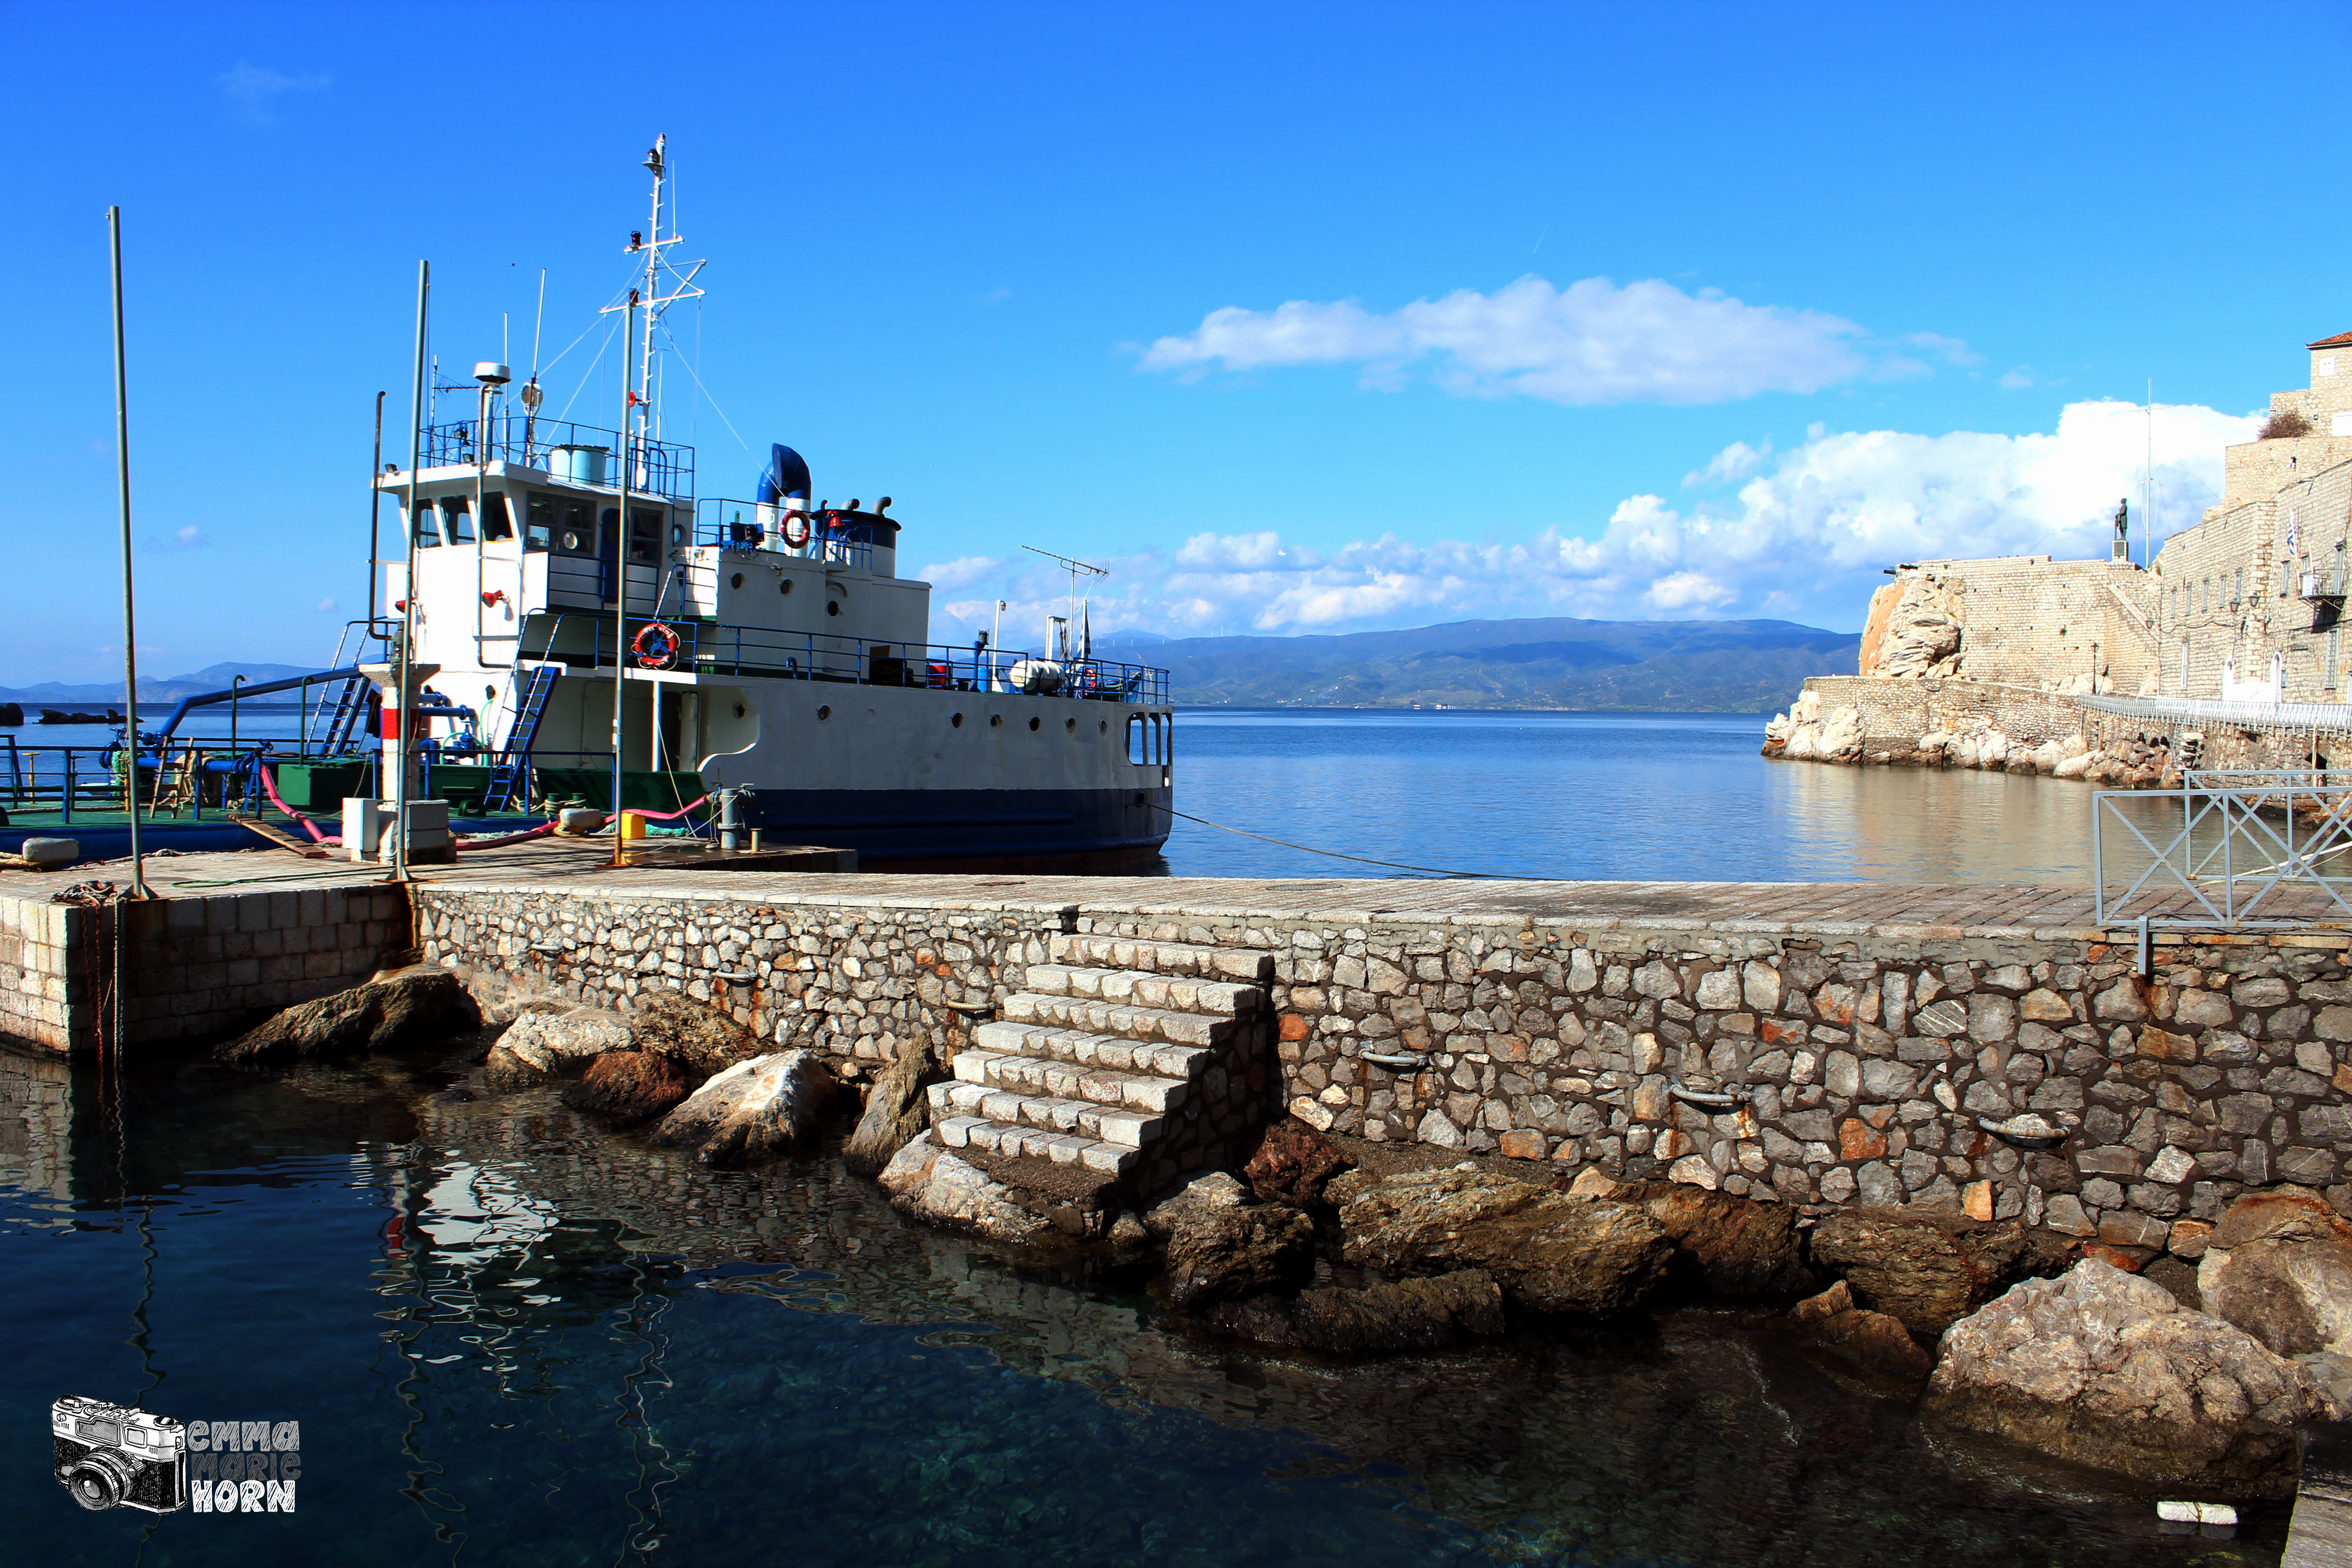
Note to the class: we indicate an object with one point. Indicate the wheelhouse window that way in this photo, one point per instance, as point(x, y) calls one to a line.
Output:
point(496, 524)
point(426, 528)
point(540, 522)
point(579, 533)
point(645, 533)
point(456, 519)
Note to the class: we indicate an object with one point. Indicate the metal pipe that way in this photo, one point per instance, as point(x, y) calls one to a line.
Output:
point(408, 585)
point(375, 513)
point(621, 573)
point(130, 621)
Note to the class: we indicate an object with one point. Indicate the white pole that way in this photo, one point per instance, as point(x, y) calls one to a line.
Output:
point(396, 752)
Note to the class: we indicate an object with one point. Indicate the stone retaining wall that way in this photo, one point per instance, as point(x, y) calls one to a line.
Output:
point(1864, 1057)
point(192, 967)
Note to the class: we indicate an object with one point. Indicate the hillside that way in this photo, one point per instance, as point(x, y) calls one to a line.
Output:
point(152, 689)
point(1725, 667)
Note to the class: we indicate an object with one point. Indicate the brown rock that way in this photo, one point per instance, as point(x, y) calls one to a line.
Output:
point(1878, 1342)
point(897, 1109)
point(2279, 1266)
point(2115, 1257)
point(1291, 1163)
point(2166, 1045)
point(1725, 1246)
point(628, 1086)
point(700, 1039)
point(1549, 1250)
point(1838, 1298)
point(2102, 1369)
point(1521, 1144)
point(1294, 1027)
point(1927, 1267)
point(1404, 1315)
point(2188, 1238)
point(1857, 1139)
point(421, 1003)
point(1223, 1254)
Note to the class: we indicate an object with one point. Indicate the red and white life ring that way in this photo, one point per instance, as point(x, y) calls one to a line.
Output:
point(797, 540)
point(655, 645)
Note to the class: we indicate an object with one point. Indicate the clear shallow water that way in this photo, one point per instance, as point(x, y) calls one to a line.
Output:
point(1634, 797)
point(512, 1340)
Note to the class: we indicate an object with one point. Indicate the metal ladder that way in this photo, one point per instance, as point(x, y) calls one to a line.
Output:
point(508, 769)
point(343, 720)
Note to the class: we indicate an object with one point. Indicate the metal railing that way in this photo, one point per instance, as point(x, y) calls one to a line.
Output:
point(2251, 846)
point(663, 468)
point(174, 776)
point(835, 535)
point(706, 648)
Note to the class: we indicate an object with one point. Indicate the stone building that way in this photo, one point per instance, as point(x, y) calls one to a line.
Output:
point(2225, 652)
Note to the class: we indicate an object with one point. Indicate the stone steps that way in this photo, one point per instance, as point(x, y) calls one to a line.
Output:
point(1048, 1042)
point(1163, 958)
point(1120, 1056)
point(1169, 992)
point(1118, 1018)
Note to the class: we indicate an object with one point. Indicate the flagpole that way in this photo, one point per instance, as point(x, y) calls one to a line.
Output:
point(129, 623)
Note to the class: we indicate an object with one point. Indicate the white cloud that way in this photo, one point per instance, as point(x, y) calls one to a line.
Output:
point(1736, 461)
point(323, 606)
point(2013, 380)
point(1804, 538)
point(253, 92)
point(1591, 342)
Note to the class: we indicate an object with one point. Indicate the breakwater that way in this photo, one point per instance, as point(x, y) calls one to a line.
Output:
point(1813, 1044)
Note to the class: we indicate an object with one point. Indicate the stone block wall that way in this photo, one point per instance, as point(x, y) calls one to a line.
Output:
point(1861, 1061)
point(192, 967)
point(2030, 621)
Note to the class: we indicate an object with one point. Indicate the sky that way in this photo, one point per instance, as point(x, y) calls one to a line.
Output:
point(1297, 319)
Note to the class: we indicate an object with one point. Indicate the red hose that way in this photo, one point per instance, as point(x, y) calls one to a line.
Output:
point(541, 831)
point(270, 785)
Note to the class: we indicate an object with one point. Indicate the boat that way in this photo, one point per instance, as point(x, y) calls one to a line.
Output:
point(765, 650)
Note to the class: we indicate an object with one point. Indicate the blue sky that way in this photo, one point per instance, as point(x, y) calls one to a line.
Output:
point(1300, 318)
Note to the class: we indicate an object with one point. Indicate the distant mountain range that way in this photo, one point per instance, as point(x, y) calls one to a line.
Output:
point(167, 689)
point(1720, 667)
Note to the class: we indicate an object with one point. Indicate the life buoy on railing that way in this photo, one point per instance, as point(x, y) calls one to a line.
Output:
point(798, 541)
point(655, 645)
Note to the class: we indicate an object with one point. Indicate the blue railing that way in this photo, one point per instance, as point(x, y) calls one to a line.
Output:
point(184, 775)
point(705, 648)
point(663, 468)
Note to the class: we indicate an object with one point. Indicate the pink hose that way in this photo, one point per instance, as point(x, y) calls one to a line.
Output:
point(270, 784)
point(541, 831)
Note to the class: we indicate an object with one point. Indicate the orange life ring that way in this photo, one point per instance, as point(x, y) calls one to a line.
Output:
point(799, 541)
point(655, 645)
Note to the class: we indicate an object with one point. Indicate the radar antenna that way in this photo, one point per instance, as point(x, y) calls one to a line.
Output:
point(1073, 567)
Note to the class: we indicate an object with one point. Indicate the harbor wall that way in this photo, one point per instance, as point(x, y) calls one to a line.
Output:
point(192, 967)
point(1946, 722)
point(1865, 1060)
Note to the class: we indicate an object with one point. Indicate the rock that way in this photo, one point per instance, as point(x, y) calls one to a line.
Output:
point(628, 1086)
point(1874, 1341)
point(1217, 1189)
point(1592, 1182)
point(416, 1003)
point(700, 1039)
point(938, 1187)
point(2175, 1275)
point(1549, 1250)
point(1405, 1315)
point(555, 1043)
point(1927, 1267)
point(1838, 1298)
point(897, 1107)
point(1725, 1246)
point(1291, 1163)
point(769, 1105)
point(1222, 1254)
point(2279, 1266)
point(2102, 1368)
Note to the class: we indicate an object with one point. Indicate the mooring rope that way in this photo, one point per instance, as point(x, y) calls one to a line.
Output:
point(1334, 854)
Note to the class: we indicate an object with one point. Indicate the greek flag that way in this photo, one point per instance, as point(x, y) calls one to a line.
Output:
point(2290, 522)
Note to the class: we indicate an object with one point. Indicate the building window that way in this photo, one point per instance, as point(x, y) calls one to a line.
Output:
point(2237, 594)
point(2331, 658)
point(538, 522)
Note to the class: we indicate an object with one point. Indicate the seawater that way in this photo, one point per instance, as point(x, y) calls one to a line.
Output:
point(510, 1338)
point(1608, 796)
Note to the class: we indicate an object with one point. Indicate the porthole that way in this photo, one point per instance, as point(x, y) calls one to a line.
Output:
point(824, 712)
point(996, 721)
point(490, 694)
point(1033, 726)
point(786, 586)
point(956, 723)
point(739, 711)
point(1071, 725)
point(1104, 728)
point(832, 607)
point(571, 540)
point(736, 581)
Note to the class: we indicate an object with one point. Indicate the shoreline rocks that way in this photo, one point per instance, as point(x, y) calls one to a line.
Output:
point(408, 1004)
point(551, 1044)
point(1925, 1268)
point(1549, 1250)
point(896, 1109)
point(2279, 1266)
point(2108, 1370)
point(1403, 1315)
point(768, 1106)
point(937, 1186)
point(625, 1087)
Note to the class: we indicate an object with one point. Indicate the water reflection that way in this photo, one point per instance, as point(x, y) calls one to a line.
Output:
point(519, 1340)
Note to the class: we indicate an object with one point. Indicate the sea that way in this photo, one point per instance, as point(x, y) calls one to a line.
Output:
point(496, 1335)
